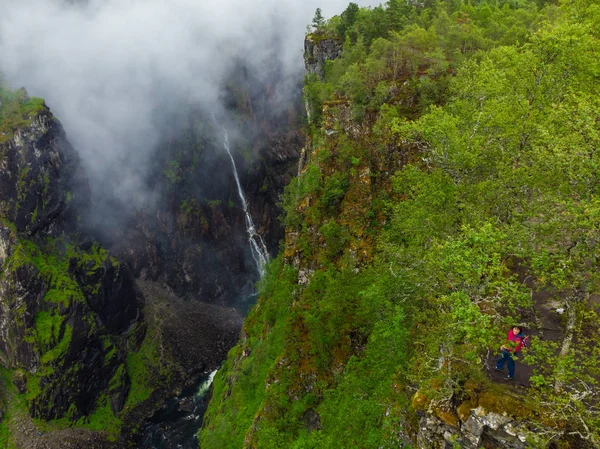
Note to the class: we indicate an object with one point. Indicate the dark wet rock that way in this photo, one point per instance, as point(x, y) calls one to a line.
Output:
point(66, 307)
point(196, 239)
point(20, 381)
point(110, 292)
point(196, 335)
point(40, 177)
point(312, 420)
point(186, 405)
point(318, 49)
point(194, 340)
point(22, 292)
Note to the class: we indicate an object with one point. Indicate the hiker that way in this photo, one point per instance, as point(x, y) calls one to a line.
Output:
point(515, 341)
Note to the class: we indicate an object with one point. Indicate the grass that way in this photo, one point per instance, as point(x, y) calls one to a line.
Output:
point(14, 405)
point(16, 111)
point(140, 366)
point(50, 334)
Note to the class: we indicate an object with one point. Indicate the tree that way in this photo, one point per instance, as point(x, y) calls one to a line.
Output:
point(318, 20)
point(397, 12)
point(348, 18)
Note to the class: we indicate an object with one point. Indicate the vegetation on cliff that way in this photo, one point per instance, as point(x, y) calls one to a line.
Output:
point(450, 191)
point(16, 109)
point(67, 308)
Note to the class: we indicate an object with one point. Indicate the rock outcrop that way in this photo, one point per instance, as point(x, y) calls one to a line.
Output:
point(39, 175)
point(318, 49)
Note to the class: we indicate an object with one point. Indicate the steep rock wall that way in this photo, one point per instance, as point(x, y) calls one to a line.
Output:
point(66, 306)
point(318, 49)
point(194, 237)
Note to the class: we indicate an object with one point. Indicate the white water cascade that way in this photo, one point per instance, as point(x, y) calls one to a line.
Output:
point(257, 245)
point(206, 385)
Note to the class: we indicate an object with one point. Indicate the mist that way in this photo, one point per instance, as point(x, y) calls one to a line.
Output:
point(110, 70)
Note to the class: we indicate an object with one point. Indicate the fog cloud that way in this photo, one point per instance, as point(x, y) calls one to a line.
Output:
point(107, 68)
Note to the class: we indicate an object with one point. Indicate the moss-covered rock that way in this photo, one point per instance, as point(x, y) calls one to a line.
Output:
point(62, 298)
point(319, 48)
point(40, 174)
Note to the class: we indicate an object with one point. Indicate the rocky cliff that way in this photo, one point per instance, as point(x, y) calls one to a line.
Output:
point(194, 237)
point(67, 307)
point(318, 49)
point(79, 344)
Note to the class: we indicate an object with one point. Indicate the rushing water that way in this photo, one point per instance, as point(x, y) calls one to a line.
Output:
point(176, 425)
point(257, 245)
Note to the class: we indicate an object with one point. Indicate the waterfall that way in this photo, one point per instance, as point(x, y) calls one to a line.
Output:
point(206, 385)
point(257, 245)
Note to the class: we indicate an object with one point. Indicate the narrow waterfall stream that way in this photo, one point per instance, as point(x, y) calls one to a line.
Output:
point(257, 245)
point(176, 425)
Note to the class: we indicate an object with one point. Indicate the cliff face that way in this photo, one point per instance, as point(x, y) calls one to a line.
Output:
point(67, 308)
point(75, 338)
point(196, 240)
point(195, 237)
point(38, 176)
point(317, 50)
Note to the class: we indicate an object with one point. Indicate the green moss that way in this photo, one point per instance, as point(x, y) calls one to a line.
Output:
point(33, 387)
point(13, 407)
point(110, 354)
point(22, 187)
point(35, 214)
point(47, 329)
point(101, 420)
point(16, 111)
point(173, 172)
point(68, 196)
point(93, 259)
point(60, 349)
point(143, 367)
point(117, 380)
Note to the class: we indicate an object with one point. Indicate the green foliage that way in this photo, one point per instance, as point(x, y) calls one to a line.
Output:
point(12, 407)
point(336, 238)
point(506, 181)
point(400, 54)
point(16, 111)
point(334, 190)
point(318, 20)
point(266, 328)
point(348, 17)
point(490, 110)
point(140, 369)
point(173, 172)
point(299, 188)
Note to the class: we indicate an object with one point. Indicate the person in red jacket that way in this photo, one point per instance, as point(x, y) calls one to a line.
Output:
point(515, 341)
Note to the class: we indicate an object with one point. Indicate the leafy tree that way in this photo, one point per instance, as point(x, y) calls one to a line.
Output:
point(471, 132)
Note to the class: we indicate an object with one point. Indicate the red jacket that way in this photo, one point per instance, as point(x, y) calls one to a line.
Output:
point(515, 341)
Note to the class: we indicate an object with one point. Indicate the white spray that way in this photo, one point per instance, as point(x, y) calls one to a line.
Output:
point(206, 385)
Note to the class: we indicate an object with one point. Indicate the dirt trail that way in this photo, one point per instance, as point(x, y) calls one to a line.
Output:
point(543, 322)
